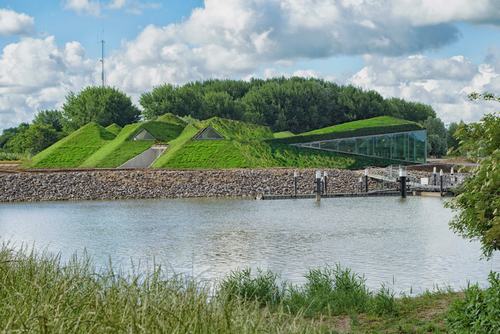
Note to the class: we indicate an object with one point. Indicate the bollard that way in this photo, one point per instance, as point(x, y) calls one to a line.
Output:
point(402, 180)
point(434, 176)
point(452, 176)
point(441, 187)
point(366, 180)
point(295, 177)
point(318, 186)
point(360, 182)
point(325, 173)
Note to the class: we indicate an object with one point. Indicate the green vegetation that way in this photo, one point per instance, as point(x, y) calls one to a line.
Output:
point(8, 156)
point(172, 119)
point(72, 150)
point(477, 204)
point(103, 105)
point(376, 125)
point(479, 311)
point(114, 129)
point(41, 294)
point(283, 134)
point(294, 104)
point(248, 146)
point(124, 148)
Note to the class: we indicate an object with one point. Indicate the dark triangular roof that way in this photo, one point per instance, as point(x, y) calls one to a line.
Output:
point(208, 133)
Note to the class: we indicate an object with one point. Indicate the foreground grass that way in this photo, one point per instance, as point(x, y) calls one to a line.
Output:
point(39, 293)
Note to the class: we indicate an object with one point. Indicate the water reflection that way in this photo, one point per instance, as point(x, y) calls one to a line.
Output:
point(388, 240)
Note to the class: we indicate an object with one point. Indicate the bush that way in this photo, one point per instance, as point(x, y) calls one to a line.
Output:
point(330, 291)
point(262, 288)
point(478, 311)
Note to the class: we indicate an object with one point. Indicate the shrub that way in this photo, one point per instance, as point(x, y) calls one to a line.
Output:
point(478, 311)
point(262, 288)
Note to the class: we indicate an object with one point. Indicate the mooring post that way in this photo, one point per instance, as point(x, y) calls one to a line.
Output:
point(318, 186)
point(434, 176)
point(325, 177)
point(295, 177)
point(441, 186)
point(402, 180)
point(366, 180)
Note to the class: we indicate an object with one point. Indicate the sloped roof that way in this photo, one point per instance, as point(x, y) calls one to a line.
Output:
point(208, 133)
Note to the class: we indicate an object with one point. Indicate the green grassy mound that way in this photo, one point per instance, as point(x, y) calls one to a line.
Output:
point(247, 146)
point(283, 134)
point(114, 128)
point(366, 127)
point(172, 119)
point(72, 150)
point(124, 148)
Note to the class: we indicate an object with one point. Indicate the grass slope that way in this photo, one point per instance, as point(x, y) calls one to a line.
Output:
point(73, 149)
point(172, 119)
point(283, 134)
point(114, 128)
point(124, 148)
point(246, 146)
point(366, 127)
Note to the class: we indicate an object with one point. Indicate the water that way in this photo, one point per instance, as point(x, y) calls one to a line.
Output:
point(405, 244)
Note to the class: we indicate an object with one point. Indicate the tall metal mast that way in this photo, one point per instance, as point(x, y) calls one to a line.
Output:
point(102, 63)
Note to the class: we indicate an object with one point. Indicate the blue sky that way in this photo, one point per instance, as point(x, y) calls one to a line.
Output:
point(436, 53)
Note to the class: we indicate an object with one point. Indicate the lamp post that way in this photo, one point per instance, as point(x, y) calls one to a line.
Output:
point(318, 186)
point(441, 187)
point(366, 180)
point(295, 177)
point(325, 176)
point(402, 180)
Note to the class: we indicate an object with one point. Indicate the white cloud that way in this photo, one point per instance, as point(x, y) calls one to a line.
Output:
point(89, 7)
point(95, 7)
point(36, 74)
point(13, 23)
point(442, 83)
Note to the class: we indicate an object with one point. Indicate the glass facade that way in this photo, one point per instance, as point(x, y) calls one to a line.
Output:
point(408, 146)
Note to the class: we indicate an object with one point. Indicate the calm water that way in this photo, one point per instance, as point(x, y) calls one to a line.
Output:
point(405, 244)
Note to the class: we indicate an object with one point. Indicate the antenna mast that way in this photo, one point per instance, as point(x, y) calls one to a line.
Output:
point(102, 62)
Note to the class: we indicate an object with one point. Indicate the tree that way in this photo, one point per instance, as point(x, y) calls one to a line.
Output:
point(436, 137)
point(220, 104)
point(158, 102)
point(103, 105)
point(451, 140)
point(53, 118)
point(478, 201)
point(10, 133)
point(34, 139)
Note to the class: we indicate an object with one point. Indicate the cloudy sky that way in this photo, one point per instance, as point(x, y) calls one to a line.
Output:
point(432, 51)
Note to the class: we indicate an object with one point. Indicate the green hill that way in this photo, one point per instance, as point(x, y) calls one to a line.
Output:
point(172, 119)
point(73, 149)
point(283, 134)
point(124, 147)
point(245, 146)
point(365, 127)
point(114, 128)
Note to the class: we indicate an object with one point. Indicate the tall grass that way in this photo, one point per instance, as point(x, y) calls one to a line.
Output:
point(40, 293)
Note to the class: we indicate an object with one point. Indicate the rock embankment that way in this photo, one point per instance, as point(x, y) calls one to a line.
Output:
point(147, 183)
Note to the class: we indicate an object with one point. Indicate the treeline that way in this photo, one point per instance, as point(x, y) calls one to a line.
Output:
point(283, 104)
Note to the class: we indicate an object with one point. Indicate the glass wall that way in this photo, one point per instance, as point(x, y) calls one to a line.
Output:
point(403, 146)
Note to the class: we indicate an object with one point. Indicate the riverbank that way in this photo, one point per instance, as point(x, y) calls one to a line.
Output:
point(113, 184)
point(41, 294)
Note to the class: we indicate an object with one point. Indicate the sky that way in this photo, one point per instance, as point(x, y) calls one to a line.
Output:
point(430, 51)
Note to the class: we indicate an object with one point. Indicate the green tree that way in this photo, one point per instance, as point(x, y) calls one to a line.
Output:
point(34, 139)
point(159, 101)
point(10, 133)
point(451, 140)
point(103, 105)
point(478, 201)
point(220, 104)
point(436, 137)
point(53, 118)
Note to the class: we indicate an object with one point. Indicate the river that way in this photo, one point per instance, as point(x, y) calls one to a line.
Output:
point(405, 244)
